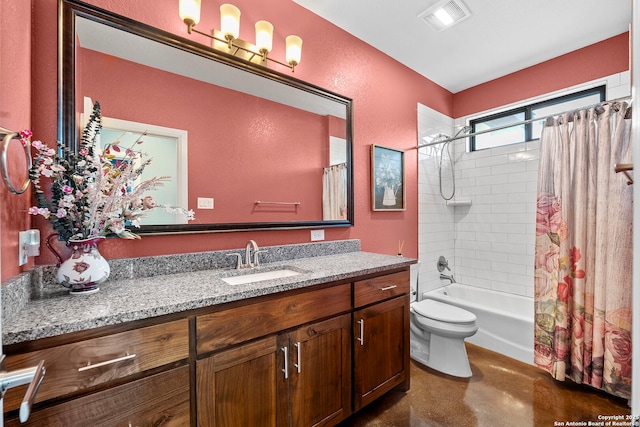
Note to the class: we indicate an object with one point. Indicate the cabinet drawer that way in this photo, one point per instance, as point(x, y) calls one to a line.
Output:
point(236, 325)
point(159, 400)
point(80, 365)
point(380, 288)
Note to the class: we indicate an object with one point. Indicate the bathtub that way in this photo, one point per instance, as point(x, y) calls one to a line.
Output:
point(505, 320)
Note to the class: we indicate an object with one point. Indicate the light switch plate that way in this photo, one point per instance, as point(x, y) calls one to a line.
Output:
point(205, 202)
point(317, 235)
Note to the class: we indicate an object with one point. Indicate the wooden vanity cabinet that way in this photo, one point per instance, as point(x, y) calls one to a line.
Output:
point(381, 337)
point(302, 358)
point(297, 377)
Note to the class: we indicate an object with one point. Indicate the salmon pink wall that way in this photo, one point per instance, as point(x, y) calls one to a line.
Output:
point(385, 95)
point(241, 148)
point(598, 60)
point(15, 115)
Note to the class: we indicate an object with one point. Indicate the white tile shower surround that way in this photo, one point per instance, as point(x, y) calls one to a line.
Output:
point(489, 244)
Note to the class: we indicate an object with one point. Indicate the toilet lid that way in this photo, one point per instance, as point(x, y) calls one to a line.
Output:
point(444, 312)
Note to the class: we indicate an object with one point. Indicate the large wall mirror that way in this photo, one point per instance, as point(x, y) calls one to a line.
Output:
point(262, 148)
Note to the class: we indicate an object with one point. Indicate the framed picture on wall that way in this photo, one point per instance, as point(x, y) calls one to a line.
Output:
point(387, 179)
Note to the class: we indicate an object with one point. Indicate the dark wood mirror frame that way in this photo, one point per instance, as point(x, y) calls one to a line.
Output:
point(68, 129)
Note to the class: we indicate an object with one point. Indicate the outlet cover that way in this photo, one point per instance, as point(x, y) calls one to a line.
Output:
point(205, 202)
point(317, 235)
point(22, 246)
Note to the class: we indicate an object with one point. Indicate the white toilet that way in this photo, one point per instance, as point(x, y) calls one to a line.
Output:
point(438, 331)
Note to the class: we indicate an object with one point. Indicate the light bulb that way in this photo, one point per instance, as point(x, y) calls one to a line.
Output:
point(230, 21)
point(189, 11)
point(294, 50)
point(264, 36)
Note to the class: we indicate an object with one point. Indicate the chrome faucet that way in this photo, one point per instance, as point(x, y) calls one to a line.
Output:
point(251, 245)
point(446, 277)
point(251, 248)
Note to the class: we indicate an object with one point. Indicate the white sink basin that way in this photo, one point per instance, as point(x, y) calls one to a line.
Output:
point(258, 277)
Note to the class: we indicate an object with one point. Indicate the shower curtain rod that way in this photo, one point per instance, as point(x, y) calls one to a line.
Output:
point(523, 122)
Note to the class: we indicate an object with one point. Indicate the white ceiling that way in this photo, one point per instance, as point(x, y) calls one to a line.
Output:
point(500, 37)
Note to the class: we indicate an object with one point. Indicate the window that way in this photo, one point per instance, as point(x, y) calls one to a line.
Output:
point(503, 134)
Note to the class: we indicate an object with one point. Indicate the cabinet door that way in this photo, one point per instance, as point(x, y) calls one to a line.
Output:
point(238, 387)
point(320, 372)
point(381, 349)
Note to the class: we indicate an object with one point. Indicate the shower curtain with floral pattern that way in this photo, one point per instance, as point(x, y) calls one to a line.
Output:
point(583, 250)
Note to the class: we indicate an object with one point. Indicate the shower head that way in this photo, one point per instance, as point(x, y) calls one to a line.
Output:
point(439, 137)
point(464, 129)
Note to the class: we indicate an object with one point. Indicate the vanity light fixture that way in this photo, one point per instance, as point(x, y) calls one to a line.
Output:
point(227, 39)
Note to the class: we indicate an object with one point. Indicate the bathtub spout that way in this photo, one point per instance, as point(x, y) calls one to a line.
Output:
point(446, 277)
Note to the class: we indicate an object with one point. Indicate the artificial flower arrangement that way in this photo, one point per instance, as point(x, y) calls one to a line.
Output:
point(92, 195)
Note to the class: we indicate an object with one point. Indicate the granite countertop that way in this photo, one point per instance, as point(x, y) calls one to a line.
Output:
point(126, 300)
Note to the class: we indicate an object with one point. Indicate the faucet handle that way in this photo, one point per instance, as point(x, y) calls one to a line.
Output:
point(239, 260)
point(442, 264)
point(256, 258)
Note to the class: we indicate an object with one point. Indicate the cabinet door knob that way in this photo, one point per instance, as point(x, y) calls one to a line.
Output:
point(361, 338)
point(285, 350)
point(298, 346)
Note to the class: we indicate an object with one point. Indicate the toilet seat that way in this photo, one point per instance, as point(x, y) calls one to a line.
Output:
point(442, 312)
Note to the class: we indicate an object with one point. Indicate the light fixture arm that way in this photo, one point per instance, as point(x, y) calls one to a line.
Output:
point(231, 43)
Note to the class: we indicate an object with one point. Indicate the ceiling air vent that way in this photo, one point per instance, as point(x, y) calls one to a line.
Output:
point(445, 14)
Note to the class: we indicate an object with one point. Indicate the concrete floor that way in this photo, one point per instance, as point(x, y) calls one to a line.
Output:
point(501, 392)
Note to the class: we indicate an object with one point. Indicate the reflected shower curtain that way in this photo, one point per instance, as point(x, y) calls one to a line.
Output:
point(583, 251)
point(334, 192)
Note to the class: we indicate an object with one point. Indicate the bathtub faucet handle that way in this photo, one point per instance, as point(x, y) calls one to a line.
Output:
point(442, 264)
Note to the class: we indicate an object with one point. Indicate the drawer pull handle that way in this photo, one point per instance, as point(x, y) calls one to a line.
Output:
point(298, 346)
point(361, 338)
point(387, 288)
point(106, 362)
point(285, 350)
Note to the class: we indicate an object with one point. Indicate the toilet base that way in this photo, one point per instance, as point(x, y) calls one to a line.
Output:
point(451, 357)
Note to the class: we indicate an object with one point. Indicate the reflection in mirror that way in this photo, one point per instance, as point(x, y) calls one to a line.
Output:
point(254, 135)
point(166, 147)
